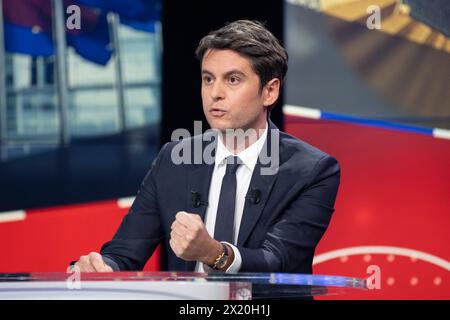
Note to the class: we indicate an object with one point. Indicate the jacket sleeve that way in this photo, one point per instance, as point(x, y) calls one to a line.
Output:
point(140, 231)
point(290, 243)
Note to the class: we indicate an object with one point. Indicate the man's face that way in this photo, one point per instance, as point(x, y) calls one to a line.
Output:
point(230, 92)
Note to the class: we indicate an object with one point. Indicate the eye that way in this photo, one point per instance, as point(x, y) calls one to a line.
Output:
point(207, 79)
point(234, 80)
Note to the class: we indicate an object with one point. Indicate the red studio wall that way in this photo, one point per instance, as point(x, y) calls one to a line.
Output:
point(46, 240)
point(392, 208)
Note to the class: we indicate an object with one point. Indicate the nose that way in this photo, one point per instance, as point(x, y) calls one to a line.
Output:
point(217, 91)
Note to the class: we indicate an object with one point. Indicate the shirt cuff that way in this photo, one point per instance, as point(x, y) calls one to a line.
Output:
point(110, 262)
point(235, 265)
point(237, 262)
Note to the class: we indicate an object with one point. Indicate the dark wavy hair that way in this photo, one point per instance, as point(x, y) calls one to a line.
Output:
point(252, 40)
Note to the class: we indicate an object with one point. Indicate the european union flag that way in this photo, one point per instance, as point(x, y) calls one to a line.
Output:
point(28, 30)
point(27, 27)
point(92, 40)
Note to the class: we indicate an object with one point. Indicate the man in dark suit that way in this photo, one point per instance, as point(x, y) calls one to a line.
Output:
point(243, 197)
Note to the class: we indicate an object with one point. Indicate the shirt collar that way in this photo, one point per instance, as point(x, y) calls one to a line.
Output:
point(249, 156)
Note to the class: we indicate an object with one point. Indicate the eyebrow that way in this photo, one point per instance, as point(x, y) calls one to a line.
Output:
point(226, 74)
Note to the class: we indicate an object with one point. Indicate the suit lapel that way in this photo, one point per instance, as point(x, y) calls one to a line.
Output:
point(263, 183)
point(199, 175)
point(199, 180)
point(252, 212)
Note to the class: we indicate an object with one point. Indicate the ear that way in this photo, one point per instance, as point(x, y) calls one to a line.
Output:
point(271, 92)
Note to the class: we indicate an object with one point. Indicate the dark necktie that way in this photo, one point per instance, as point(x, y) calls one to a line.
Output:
point(224, 228)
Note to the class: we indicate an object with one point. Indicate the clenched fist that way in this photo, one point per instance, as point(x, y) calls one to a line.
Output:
point(93, 262)
point(190, 240)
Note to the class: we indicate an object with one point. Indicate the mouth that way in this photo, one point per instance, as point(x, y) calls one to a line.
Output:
point(216, 112)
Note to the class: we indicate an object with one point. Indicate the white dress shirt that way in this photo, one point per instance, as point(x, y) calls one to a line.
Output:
point(249, 157)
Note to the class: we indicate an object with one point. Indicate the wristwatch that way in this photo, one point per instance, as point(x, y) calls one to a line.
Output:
point(221, 260)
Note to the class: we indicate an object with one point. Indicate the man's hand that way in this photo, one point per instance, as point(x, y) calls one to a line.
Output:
point(93, 262)
point(190, 240)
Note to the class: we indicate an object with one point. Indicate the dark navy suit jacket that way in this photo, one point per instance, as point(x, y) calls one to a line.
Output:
point(277, 234)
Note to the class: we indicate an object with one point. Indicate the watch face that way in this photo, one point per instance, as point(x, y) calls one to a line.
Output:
point(222, 262)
